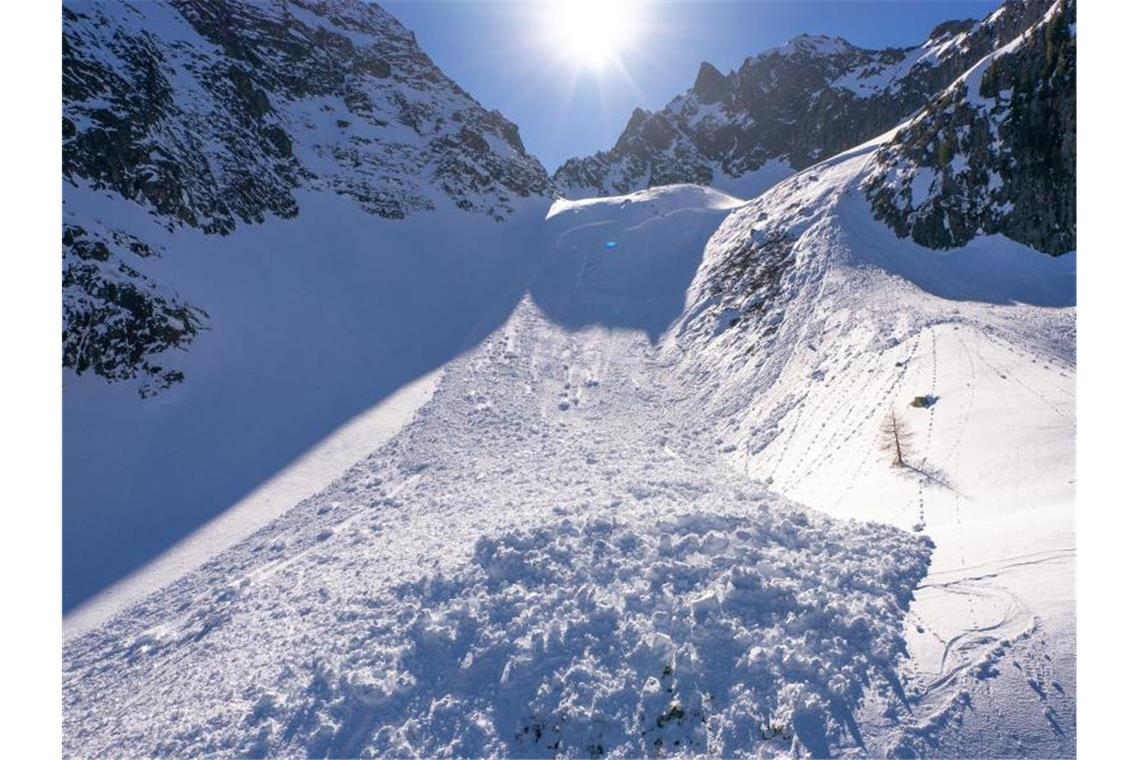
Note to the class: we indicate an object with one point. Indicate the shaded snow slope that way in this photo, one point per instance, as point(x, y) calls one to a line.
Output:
point(313, 321)
point(306, 476)
point(628, 259)
point(318, 319)
point(552, 558)
point(807, 324)
point(235, 285)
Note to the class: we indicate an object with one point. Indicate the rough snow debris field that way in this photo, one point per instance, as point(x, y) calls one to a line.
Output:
point(541, 563)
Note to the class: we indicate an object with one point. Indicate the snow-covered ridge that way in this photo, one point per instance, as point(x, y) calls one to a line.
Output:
point(808, 323)
point(671, 196)
point(732, 127)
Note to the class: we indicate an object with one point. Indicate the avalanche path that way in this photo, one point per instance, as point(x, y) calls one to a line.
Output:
point(589, 540)
point(552, 558)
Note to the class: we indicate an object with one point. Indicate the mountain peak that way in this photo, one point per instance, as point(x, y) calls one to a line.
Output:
point(710, 83)
point(815, 44)
point(848, 94)
point(636, 120)
point(218, 114)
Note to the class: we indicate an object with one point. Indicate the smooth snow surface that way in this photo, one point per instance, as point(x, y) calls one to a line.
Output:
point(756, 182)
point(647, 514)
point(304, 477)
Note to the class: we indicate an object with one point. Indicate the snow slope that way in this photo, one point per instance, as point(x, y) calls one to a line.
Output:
point(231, 170)
point(646, 514)
point(857, 322)
point(309, 474)
point(313, 320)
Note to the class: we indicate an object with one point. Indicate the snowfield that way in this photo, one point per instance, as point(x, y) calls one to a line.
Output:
point(308, 474)
point(863, 323)
point(646, 514)
point(313, 322)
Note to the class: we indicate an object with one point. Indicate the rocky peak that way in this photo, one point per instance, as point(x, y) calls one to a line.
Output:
point(636, 121)
point(710, 84)
point(215, 112)
point(791, 106)
point(953, 27)
point(815, 45)
point(993, 153)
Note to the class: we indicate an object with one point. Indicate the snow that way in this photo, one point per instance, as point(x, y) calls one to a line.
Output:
point(922, 185)
point(672, 197)
point(753, 183)
point(608, 636)
point(543, 485)
point(312, 321)
point(621, 518)
point(310, 473)
point(988, 331)
point(639, 281)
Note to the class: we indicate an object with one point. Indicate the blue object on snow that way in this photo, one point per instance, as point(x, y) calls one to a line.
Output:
point(611, 244)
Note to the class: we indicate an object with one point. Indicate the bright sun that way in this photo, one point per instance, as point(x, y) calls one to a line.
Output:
point(592, 33)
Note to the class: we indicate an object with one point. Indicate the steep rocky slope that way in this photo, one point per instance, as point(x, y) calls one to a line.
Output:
point(215, 113)
point(115, 317)
point(788, 107)
point(995, 152)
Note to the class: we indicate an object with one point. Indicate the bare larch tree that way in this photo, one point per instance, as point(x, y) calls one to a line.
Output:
point(896, 438)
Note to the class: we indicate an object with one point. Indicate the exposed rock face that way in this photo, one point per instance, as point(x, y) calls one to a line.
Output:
point(215, 113)
point(115, 318)
point(995, 153)
point(809, 99)
point(212, 112)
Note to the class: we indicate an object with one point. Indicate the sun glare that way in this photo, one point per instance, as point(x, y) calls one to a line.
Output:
point(592, 33)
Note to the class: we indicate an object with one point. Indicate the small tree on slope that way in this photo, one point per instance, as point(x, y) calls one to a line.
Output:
point(896, 438)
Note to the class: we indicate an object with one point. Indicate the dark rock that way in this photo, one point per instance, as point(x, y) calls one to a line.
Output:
point(116, 319)
point(1001, 159)
point(710, 84)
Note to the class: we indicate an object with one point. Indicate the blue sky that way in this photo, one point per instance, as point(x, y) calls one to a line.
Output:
point(502, 53)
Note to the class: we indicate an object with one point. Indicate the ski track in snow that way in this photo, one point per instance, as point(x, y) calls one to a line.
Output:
point(992, 481)
point(980, 620)
point(575, 548)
